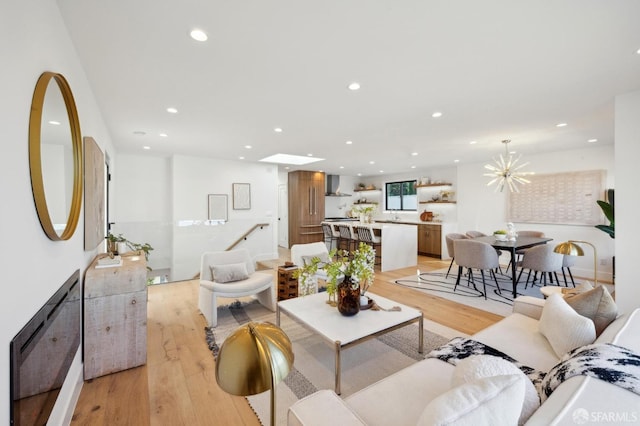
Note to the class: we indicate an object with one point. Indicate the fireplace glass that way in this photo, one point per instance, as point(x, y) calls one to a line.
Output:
point(41, 355)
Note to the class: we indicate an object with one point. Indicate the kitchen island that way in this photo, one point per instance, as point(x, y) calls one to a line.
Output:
point(399, 244)
point(431, 236)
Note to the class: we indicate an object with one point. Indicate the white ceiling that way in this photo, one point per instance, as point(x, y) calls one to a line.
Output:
point(496, 69)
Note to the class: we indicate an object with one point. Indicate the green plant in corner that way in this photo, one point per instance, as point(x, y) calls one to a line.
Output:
point(607, 209)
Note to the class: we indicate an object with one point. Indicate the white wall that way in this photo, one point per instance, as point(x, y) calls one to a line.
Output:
point(193, 179)
point(33, 39)
point(627, 200)
point(481, 208)
point(141, 204)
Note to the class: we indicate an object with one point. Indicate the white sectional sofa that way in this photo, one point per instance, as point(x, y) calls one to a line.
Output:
point(401, 398)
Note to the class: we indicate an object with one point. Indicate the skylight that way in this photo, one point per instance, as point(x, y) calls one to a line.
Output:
point(297, 160)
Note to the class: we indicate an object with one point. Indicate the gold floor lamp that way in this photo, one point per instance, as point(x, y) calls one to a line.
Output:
point(570, 248)
point(253, 359)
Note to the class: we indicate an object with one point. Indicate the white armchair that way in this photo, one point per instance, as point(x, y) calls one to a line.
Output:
point(234, 262)
point(301, 251)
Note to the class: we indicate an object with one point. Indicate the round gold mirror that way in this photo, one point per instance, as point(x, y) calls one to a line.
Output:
point(55, 156)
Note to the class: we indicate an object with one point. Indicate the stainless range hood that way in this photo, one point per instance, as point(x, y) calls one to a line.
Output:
point(333, 187)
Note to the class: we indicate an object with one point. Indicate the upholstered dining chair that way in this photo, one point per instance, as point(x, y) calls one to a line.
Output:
point(232, 274)
point(475, 234)
point(520, 253)
point(541, 259)
point(567, 263)
point(449, 238)
point(472, 255)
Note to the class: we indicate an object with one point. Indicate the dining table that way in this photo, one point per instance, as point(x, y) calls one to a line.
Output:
point(520, 243)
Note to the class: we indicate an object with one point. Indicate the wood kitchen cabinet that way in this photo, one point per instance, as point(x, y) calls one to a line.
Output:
point(306, 207)
point(430, 240)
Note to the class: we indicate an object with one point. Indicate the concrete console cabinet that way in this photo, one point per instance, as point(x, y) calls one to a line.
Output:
point(115, 317)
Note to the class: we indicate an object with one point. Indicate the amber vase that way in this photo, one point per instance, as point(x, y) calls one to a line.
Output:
point(348, 297)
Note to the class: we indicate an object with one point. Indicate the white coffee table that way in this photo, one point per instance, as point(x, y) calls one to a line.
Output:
point(343, 332)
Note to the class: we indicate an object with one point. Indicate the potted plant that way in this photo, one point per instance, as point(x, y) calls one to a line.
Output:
point(351, 275)
point(365, 213)
point(118, 244)
point(607, 209)
point(445, 195)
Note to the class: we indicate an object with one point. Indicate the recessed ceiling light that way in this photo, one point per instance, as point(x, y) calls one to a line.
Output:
point(277, 129)
point(241, 158)
point(342, 167)
point(473, 142)
point(592, 140)
point(359, 174)
point(310, 154)
point(146, 147)
point(163, 135)
point(456, 161)
point(198, 35)
point(561, 125)
point(436, 114)
point(172, 110)
point(414, 153)
point(413, 167)
point(54, 122)
point(638, 51)
point(297, 160)
point(372, 162)
point(381, 171)
point(248, 146)
point(349, 142)
point(139, 133)
point(354, 86)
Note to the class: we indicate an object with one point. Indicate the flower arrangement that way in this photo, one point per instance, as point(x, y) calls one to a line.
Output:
point(365, 212)
point(359, 265)
point(306, 276)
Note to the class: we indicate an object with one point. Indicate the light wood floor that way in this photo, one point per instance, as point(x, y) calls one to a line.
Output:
point(177, 386)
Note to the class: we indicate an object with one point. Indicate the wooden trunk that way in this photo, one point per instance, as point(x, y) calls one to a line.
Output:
point(306, 207)
point(115, 317)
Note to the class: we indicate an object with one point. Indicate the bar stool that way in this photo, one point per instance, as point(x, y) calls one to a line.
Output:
point(330, 235)
point(346, 236)
point(366, 235)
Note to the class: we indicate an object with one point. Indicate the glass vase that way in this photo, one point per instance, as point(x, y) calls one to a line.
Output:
point(348, 297)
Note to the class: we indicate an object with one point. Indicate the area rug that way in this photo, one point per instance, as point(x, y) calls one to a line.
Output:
point(313, 367)
point(436, 283)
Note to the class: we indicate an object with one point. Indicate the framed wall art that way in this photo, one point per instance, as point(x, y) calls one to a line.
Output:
point(217, 207)
point(94, 208)
point(241, 196)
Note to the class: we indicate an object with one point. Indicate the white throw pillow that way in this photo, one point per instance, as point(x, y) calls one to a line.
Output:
point(229, 273)
point(564, 328)
point(492, 401)
point(481, 366)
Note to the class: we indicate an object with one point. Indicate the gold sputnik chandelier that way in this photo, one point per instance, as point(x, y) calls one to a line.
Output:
point(505, 171)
